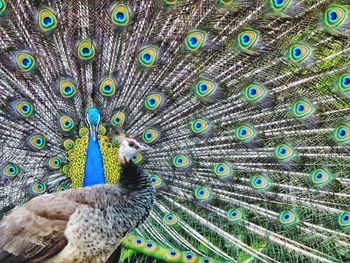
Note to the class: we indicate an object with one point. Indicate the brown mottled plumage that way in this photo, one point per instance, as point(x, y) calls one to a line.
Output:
point(79, 225)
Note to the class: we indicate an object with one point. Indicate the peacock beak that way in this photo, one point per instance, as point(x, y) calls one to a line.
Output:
point(145, 148)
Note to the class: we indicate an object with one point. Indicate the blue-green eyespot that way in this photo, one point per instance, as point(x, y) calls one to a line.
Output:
point(83, 131)
point(247, 40)
point(138, 242)
point(68, 144)
point(120, 15)
point(259, 182)
point(170, 219)
point(24, 108)
point(199, 126)
point(343, 84)
point(54, 163)
point(25, 62)
point(3, 6)
point(62, 187)
point(254, 93)
point(235, 215)
point(223, 170)
point(189, 257)
point(108, 87)
point(36, 142)
point(66, 88)
point(299, 53)
point(288, 218)
point(118, 119)
point(137, 158)
point(195, 40)
point(172, 255)
point(66, 123)
point(284, 152)
point(10, 171)
point(86, 50)
point(155, 180)
point(154, 101)
point(202, 193)
point(181, 161)
point(206, 260)
point(47, 20)
point(335, 15)
point(37, 188)
point(148, 56)
point(150, 246)
point(101, 130)
point(341, 134)
point(344, 219)
point(302, 108)
point(205, 89)
point(150, 135)
point(321, 177)
point(244, 133)
point(279, 5)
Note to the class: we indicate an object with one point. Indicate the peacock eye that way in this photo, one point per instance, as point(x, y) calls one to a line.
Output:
point(254, 93)
point(344, 219)
point(195, 40)
point(148, 56)
point(335, 15)
point(22, 107)
point(288, 218)
point(47, 20)
point(173, 255)
point(302, 108)
point(131, 144)
point(25, 62)
point(259, 182)
point(341, 134)
point(280, 5)
point(235, 215)
point(86, 50)
point(3, 5)
point(108, 87)
point(299, 53)
point(247, 40)
point(66, 88)
point(120, 15)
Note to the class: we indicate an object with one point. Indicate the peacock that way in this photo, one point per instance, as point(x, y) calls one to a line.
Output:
point(181, 130)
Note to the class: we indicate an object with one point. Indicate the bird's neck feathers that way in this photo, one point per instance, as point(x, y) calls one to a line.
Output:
point(132, 178)
point(94, 169)
point(122, 160)
point(124, 156)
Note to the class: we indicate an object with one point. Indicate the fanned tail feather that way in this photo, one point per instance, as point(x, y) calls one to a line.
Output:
point(245, 103)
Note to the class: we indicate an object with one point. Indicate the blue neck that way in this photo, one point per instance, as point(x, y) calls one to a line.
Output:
point(94, 173)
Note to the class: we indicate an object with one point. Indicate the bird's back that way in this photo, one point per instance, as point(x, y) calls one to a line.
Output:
point(78, 225)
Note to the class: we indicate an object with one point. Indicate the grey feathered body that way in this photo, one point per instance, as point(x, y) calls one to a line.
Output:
point(79, 225)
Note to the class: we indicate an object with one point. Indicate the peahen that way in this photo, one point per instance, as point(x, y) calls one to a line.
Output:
point(85, 224)
point(243, 108)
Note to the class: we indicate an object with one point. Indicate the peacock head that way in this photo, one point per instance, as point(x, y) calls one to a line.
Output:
point(128, 147)
point(93, 120)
